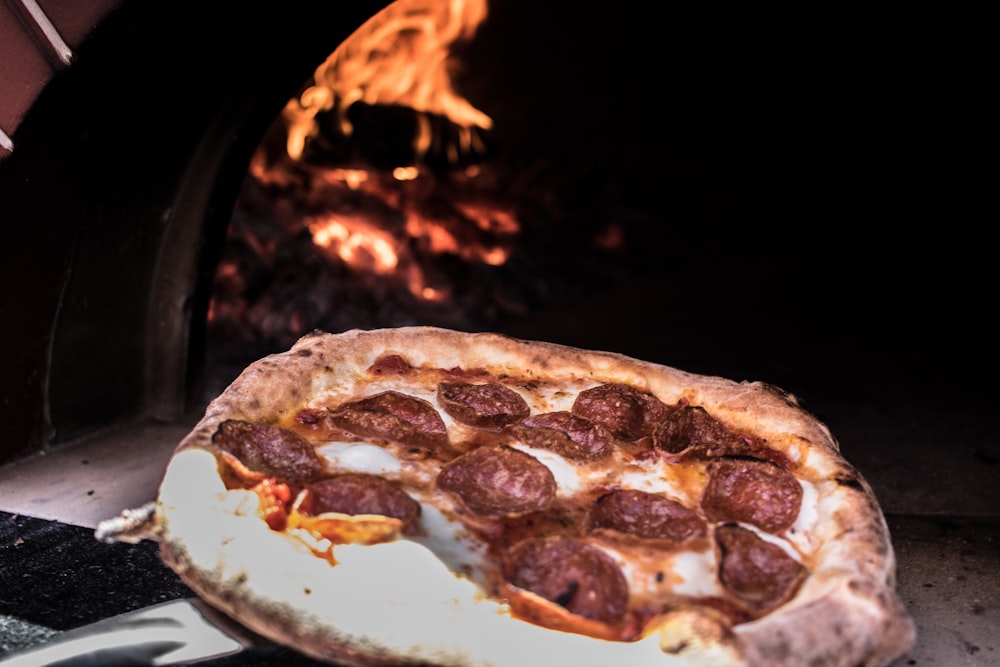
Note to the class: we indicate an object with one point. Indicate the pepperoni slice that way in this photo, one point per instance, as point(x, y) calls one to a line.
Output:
point(389, 364)
point(692, 434)
point(393, 416)
point(645, 515)
point(489, 405)
point(272, 450)
point(621, 408)
point(499, 481)
point(573, 574)
point(687, 426)
point(738, 447)
point(752, 491)
point(358, 493)
point(757, 572)
point(567, 434)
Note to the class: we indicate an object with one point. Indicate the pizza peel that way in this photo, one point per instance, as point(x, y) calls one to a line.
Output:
point(180, 632)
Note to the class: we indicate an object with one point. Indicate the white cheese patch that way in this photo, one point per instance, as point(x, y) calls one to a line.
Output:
point(773, 539)
point(544, 398)
point(451, 542)
point(359, 457)
point(697, 571)
point(659, 479)
point(681, 573)
point(650, 480)
point(566, 474)
point(801, 533)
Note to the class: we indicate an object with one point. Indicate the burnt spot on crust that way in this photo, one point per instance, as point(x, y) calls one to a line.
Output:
point(270, 450)
point(304, 353)
point(850, 482)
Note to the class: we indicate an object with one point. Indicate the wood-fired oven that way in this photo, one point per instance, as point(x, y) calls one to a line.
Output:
point(796, 194)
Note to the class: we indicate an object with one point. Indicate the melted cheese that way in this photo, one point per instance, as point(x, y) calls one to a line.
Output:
point(653, 574)
point(451, 543)
point(802, 533)
point(684, 571)
point(359, 457)
point(569, 478)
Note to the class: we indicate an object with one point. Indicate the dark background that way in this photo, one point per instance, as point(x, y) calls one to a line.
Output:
point(810, 190)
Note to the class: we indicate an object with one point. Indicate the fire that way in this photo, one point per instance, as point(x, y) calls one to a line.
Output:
point(352, 178)
point(402, 237)
point(398, 240)
point(401, 56)
point(357, 243)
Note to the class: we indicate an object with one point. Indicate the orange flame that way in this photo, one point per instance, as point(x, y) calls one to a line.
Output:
point(398, 57)
point(385, 227)
point(356, 242)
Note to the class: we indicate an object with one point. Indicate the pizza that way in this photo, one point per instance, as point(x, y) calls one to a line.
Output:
point(424, 496)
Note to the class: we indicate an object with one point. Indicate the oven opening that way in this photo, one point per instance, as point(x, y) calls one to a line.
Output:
point(406, 183)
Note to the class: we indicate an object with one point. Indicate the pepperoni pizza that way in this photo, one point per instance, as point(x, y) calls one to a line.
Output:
point(425, 496)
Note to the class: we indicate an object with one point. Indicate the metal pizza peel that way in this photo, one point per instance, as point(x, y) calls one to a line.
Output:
point(180, 632)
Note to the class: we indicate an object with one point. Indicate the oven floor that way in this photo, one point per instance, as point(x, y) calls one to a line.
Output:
point(86, 482)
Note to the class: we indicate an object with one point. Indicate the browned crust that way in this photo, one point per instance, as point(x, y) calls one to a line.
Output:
point(847, 612)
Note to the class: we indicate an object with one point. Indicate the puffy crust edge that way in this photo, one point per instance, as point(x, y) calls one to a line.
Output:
point(850, 591)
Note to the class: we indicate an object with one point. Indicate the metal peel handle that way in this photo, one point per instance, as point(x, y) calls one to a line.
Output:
point(171, 633)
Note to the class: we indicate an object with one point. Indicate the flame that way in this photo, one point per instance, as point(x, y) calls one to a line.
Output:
point(387, 227)
point(352, 178)
point(401, 56)
point(356, 242)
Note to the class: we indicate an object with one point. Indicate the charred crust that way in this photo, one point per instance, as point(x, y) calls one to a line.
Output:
point(850, 482)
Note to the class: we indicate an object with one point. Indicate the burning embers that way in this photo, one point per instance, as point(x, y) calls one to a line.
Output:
point(336, 248)
point(334, 231)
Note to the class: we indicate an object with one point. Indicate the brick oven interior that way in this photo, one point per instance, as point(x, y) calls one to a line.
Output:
point(805, 196)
